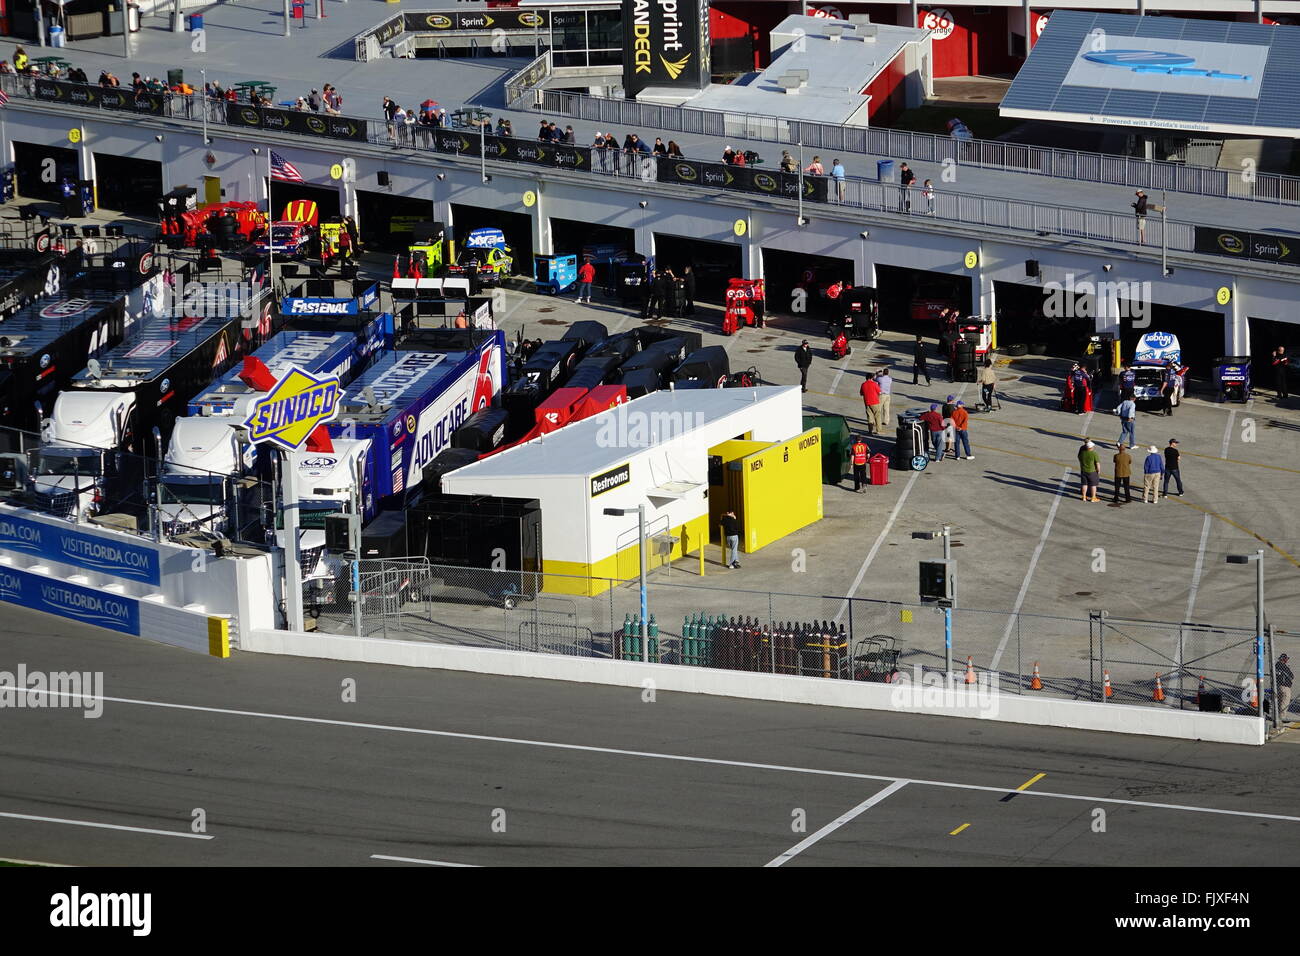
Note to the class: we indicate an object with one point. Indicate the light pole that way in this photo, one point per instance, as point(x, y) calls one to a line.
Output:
point(1258, 558)
point(640, 531)
point(1164, 234)
point(946, 534)
point(204, 75)
point(801, 219)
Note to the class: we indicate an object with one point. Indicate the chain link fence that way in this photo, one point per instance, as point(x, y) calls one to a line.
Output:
point(1093, 657)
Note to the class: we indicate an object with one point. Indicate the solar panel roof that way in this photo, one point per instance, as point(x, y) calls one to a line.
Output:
point(1161, 73)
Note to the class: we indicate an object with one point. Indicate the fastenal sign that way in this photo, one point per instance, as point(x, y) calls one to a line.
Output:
point(290, 411)
point(665, 43)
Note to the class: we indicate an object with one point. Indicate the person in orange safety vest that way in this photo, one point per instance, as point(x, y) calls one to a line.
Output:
point(859, 453)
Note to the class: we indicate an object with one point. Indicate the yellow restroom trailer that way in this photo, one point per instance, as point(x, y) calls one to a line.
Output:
point(652, 451)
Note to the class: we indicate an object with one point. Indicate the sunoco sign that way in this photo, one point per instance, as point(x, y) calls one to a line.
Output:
point(665, 43)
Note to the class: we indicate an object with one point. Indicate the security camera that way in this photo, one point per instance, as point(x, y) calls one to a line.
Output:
point(865, 234)
point(256, 150)
point(1107, 267)
point(441, 177)
point(487, 179)
point(803, 221)
point(159, 137)
point(643, 204)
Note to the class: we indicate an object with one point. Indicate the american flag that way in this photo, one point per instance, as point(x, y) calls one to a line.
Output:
point(4, 98)
point(284, 170)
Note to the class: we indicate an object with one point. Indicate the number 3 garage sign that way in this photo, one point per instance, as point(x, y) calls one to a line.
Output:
point(940, 21)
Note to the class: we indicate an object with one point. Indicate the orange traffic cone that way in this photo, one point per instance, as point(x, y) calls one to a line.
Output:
point(1037, 682)
point(970, 670)
point(1200, 690)
point(1159, 694)
point(1108, 692)
point(1254, 693)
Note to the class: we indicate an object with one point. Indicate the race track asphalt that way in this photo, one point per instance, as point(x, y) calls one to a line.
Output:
point(476, 770)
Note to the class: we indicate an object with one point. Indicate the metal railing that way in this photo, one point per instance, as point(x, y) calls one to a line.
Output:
point(807, 635)
point(918, 147)
point(967, 209)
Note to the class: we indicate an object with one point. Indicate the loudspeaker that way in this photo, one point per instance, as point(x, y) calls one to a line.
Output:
point(1031, 268)
point(383, 178)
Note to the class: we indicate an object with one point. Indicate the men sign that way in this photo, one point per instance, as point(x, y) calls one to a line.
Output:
point(292, 409)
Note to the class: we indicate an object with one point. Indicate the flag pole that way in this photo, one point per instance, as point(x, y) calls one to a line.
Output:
point(270, 229)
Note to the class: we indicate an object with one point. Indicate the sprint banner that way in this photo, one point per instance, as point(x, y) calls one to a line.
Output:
point(665, 43)
point(745, 179)
point(1239, 244)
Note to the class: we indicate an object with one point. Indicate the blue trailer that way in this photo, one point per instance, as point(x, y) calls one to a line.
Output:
point(408, 404)
point(555, 275)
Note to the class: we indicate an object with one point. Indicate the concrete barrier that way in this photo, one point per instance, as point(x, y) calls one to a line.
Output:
point(980, 702)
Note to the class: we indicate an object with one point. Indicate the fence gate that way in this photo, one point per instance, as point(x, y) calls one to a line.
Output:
point(1185, 665)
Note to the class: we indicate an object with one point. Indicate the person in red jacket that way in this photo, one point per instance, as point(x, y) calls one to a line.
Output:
point(871, 399)
point(586, 276)
point(934, 423)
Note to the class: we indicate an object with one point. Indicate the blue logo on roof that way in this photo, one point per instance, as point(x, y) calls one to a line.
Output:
point(1157, 61)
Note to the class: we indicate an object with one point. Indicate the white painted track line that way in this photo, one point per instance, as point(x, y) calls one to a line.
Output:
point(651, 755)
point(1033, 561)
point(411, 859)
point(838, 822)
point(875, 548)
point(106, 826)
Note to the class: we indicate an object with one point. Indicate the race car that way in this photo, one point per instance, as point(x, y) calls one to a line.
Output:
point(286, 239)
point(485, 251)
point(1152, 357)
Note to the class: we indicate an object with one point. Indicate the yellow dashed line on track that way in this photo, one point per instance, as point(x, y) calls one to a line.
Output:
point(1031, 782)
point(959, 829)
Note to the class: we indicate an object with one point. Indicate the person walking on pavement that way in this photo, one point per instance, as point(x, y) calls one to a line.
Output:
point(934, 423)
point(803, 359)
point(1151, 470)
point(1140, 210)
point(949, 429)
point(918, 362)
point(688, 289)
point(871, 399)
point(961, 424)
point(650, 294)
point(1285, 678)
point(586, 276)
point(1089, 471)
point(1123, 472)
point(1172, 469)
point(1127, 412)
point(860, 453)
point(988, 381)
point(731, 531)
point(1281, 362)
point(886, 384)
point(927, 193)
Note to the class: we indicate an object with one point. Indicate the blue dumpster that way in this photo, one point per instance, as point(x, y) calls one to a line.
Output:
point(885, 170)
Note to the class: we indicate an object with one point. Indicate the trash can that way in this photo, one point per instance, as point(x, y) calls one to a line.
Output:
point(57, 36)
point(194, 22)
point(885, 170)
point(133, 17)
point(879, 469)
